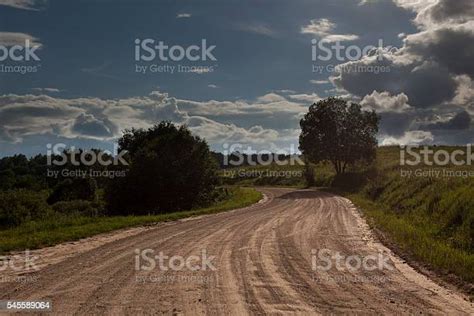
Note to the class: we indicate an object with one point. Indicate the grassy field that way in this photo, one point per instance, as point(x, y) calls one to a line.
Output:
point(37, 234)
point(429, 216)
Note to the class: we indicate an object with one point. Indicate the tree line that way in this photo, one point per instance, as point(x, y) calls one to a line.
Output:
point(169, 169)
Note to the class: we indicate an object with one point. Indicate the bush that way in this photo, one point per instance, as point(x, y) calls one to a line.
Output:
point(19, 206)
point(74, 189)
point(78, 207)
point(170, 170)
point(309, 175)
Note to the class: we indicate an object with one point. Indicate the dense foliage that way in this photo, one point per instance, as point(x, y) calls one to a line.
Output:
point(341, 133)
point(170, 169)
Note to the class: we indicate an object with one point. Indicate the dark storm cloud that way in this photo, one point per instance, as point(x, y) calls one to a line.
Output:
point(425, 84)
point(460, 121)
point(434, 69)
point(449, 11)
point(454, 137)
point(395, 124)
point(452, 46)
point(425, 68)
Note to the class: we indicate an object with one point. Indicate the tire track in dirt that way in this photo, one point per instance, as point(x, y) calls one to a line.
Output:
point(264, 257)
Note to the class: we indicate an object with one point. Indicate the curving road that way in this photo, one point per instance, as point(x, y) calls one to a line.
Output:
point(269, 258)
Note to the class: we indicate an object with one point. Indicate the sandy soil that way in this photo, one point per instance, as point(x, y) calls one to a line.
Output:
point(263, 261)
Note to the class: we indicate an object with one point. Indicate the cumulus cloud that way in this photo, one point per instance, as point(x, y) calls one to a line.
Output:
point(270, 97)
point(306, 98)
point(323, 29)
point(12, 38)
point(271, 110)
point(426, 84)
point(460, 121)
point(432, 66)
point(219, 133)
point(409, 138)
point(451, 45)
point(435, 12)
point(25, 116)
point(89, 126)
point(465, 93)
point(22, 116)
point(385, 102)
point(415, 5)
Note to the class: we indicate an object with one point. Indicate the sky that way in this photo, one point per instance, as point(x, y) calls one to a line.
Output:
point(235, 72)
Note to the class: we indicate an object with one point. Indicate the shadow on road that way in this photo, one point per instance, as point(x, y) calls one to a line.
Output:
point(305, 194)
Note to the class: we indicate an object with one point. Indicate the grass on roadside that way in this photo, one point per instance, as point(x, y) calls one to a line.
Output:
point(429, 218)
point(37, 234)
point(420, 241)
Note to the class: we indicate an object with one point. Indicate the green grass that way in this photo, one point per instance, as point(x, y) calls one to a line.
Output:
point(429, 218)
point(419, 238)
point(37, 234)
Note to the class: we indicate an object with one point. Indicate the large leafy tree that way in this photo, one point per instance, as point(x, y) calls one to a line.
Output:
point(340, 132)
point(169, 169)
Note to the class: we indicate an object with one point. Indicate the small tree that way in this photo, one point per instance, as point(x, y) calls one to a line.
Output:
point(170, 169)
point(341, 133)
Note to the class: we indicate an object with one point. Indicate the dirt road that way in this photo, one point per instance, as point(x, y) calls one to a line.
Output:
point(270, 258)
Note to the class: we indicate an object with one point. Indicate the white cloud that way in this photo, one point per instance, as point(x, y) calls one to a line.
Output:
point(257, 28)
point(415, 5)
point(201, 70)
point(183, 15)
point(286, 91)
point(24, 4)
point(409, 138)
point(12, 38)
point(320, 28)
point(317, 82)
point(212, 86)
point(425, 81)
point(465, 93)
point(340, 37)
point(25, 116)
point(270, 97)
point(434, 66)
point(323, 29)
point(50, 90)
point(308, 99)
point(363, 2)
point(219, 133)
point(385, 102)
